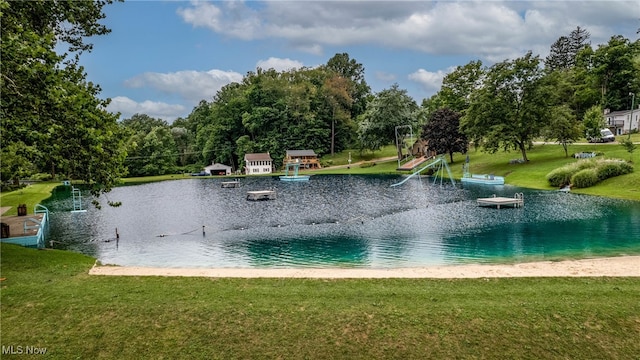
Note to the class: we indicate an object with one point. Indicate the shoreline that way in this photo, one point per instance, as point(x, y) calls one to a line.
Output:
point(620, 266)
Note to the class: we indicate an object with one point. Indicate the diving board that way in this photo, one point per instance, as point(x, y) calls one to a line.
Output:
point(412, 164)
point(439, 163)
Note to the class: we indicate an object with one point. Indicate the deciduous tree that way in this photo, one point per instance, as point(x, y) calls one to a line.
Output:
point(442, 133)
point(510, 109)
point(563, 127)
point(389, 109)
point(51, 116)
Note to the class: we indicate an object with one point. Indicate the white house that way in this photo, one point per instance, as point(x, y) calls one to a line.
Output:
point(619, 122)
point(260, 163)
point(218, 169)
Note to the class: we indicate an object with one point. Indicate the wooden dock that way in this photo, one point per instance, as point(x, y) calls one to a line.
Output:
point(261, 195)
point(516, 201)
point(231, 184)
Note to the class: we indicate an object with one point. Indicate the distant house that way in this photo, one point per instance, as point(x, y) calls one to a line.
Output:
point(217, 169)
point(260, 163)
point(307, 159)
point(421, 148)
point(619, 122)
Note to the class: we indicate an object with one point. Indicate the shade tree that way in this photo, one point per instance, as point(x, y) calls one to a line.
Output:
point(510, 109)
point(389, 109)
point(442, 133)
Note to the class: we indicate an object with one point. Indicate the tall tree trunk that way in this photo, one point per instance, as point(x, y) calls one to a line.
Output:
point(524, 152)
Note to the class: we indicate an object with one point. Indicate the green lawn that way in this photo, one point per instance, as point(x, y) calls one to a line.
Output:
point(48, 300)
point(545, 158)
point(30, 195)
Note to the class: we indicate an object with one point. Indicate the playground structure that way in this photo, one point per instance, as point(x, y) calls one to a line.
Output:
point(439, 165)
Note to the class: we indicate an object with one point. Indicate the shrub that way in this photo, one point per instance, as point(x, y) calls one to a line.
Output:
point(560, 176)
point(585, 178)
point(611, 168)
point(602, 169)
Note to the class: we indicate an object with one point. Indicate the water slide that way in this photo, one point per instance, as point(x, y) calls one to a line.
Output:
point(439, 162)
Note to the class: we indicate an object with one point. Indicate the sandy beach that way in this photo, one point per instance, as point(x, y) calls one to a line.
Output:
point(612, 266)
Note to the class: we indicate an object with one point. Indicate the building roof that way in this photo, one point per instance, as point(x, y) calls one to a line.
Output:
point(258, 157)
point(291, 153)
point(621, 112)
point(218, 166)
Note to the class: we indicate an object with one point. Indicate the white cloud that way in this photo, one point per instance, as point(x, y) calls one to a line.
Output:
point(279, 64)
point(127, 107)
point(191, 85)
point(231, 18)
point(430, 81)
point(489, 30)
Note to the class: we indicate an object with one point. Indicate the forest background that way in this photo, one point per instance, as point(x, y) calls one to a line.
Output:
point(54, 124)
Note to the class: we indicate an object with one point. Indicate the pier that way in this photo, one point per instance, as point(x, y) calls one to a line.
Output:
point(516, 201)
point(261, 195)
point(231, 184)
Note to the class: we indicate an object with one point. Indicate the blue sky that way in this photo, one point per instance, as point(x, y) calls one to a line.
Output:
point(163, 57)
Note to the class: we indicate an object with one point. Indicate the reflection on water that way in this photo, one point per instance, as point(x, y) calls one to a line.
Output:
point(339, 221)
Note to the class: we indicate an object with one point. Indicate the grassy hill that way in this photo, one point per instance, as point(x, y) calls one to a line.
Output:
point(543, 159)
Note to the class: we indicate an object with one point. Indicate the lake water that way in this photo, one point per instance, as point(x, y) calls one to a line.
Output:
point(340, 221)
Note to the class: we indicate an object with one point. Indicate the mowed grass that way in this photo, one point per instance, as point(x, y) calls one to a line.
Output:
point(30, 195)
point(544, 158)
point(48, 300)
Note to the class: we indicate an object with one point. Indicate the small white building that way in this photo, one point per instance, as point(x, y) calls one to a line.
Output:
point(218, 169)
point(619, 122)
point(260, 163)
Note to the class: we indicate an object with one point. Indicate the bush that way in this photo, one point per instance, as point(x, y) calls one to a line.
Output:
point(602, 169)
point(611, 168)
point(585, 178)
point(560, 176)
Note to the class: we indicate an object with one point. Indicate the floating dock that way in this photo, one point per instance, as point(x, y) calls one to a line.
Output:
point(482, 179)
point(516, 201)
point(261, 195)
point(231, 184)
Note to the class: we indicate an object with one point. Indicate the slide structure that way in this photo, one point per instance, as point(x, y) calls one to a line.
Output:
point(440, 164)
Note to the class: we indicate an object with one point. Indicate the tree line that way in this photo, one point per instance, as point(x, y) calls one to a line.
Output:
point(54, 122)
